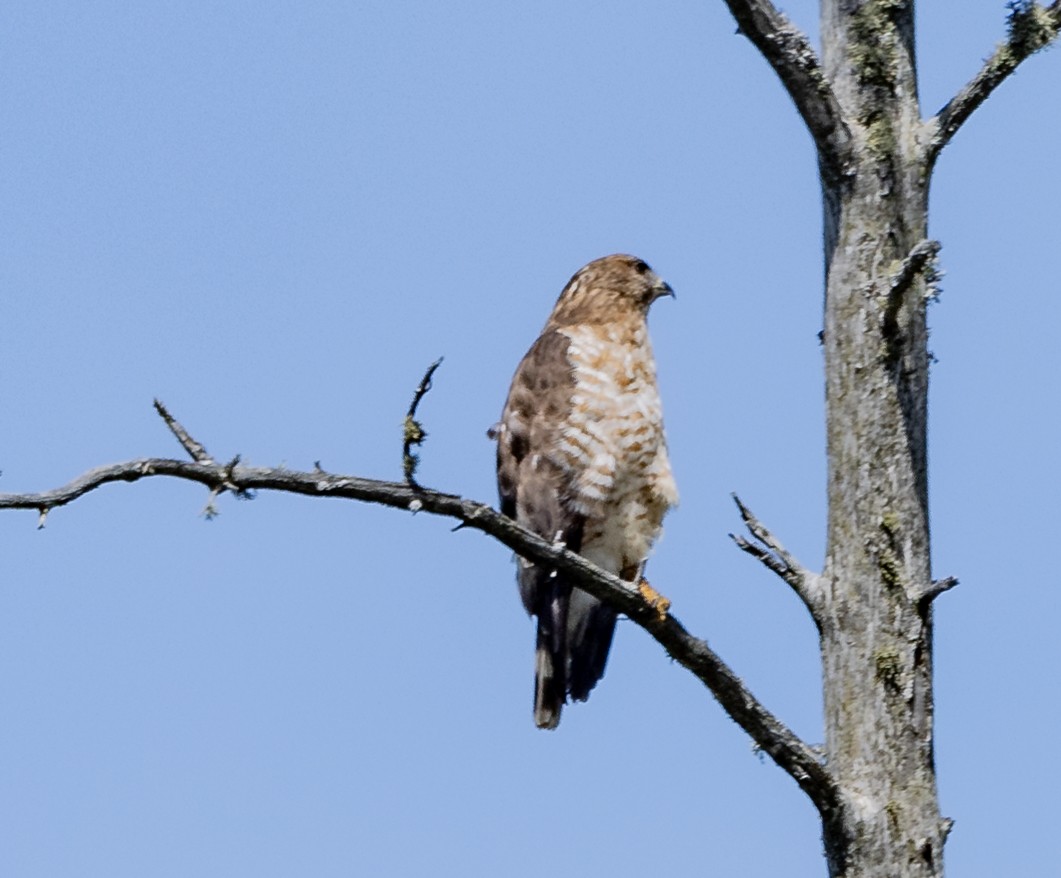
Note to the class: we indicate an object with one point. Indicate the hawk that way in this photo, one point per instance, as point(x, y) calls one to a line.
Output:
point(582, 459)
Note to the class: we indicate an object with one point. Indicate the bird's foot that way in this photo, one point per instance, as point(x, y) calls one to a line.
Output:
point(658, 602)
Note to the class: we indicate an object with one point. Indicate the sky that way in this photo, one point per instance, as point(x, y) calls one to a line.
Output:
point(273, 216)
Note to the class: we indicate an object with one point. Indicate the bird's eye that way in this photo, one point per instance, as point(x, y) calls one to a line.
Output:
point(641, 267)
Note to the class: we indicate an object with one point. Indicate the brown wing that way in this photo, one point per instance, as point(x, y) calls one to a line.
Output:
point(534, 491)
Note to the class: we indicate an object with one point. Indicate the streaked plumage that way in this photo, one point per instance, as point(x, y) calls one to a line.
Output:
point(582, 458)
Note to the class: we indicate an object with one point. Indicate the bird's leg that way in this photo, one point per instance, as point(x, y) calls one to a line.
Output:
point(658, 602)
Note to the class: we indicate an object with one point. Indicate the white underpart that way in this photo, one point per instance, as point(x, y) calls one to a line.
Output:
point(614, 446)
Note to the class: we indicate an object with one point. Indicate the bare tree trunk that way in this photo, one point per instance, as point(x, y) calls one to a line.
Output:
point(876, 623)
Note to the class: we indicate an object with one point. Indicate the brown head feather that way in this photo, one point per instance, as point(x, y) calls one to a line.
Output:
point(614, 287)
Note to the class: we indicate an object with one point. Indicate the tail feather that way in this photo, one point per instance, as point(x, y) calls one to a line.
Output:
point(588, 646)
point(550, 657)
point(549, 685)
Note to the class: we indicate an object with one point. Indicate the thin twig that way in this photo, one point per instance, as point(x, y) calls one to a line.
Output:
point(413, 432)
point(792, 754)
point(195, 449)
point(768, 558)
point(1031, 27)
point(210, 511)
point(935, 588)
point(794, 60)
point(769, 551)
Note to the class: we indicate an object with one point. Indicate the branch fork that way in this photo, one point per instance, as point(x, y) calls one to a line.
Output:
point(767, 549)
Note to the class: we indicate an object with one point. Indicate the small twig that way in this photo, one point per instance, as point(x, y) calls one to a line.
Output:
point(945, 827)
point(919, 261)
point(768, 558)
point(779, 560)
point(230, 470)
point(195, 450)
point(210, 510)
point(1031, 27)
point(412, 430)
point(935, 588)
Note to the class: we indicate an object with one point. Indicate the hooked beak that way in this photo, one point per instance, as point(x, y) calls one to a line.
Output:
point(663, 289)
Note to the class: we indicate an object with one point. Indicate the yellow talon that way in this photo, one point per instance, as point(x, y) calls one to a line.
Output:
point(657, 601)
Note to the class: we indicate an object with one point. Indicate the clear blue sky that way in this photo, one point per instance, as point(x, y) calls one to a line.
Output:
point(273, 216)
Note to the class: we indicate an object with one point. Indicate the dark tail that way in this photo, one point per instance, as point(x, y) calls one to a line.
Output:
point(550, 657)
point(590, 639)
point(548, 685)
point(589, 645)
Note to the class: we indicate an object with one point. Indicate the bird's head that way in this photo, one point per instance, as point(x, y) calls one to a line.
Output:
point(609, 288)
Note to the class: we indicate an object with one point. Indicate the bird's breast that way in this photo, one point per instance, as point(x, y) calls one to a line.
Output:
point(613, 441)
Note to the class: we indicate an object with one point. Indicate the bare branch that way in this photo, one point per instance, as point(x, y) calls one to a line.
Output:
point(920, 260)
point(935, 588)
point(768, 558)
point(413, 432)
point(195, 450)
point(644, 607)
point(794, 60)
point(769, 551)
point(1031, 27)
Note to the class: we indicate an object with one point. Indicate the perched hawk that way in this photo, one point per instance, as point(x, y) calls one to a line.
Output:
point(582, 459)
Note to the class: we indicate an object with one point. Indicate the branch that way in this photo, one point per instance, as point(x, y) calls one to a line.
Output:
point(413, 432)
point(794, 60)
point(920, 260)
point(775, 557)
point(793, 755)
point(195, 449)
point(935, 588)
point(1031, 27)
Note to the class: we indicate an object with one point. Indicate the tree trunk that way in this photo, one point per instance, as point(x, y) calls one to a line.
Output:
point(876, 624)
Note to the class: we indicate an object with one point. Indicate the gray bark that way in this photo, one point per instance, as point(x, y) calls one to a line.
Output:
point(876, 631)
point(872, 603)
point(876, 618)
